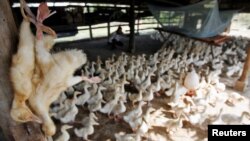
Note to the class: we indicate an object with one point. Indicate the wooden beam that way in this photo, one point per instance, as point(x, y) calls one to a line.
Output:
point(90, 27)
point(131, 47)
point(242, 82)
point(8, 41)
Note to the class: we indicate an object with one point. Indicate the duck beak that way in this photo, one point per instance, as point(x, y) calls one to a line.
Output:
point(68, 127)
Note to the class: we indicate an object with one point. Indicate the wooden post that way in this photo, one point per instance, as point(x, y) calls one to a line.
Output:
point(138, 19)
point(110, 18)
point(8, 41)
point(108, 27)
point(138, 26)
point(90, 27)
point(242, 82)
point(132, 27)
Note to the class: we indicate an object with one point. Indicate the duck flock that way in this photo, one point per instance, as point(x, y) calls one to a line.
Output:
point(184, 75)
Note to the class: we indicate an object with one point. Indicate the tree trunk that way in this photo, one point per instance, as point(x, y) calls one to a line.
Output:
point(8, 41)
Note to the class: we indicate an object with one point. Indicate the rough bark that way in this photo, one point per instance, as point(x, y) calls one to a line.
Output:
point(8, 41)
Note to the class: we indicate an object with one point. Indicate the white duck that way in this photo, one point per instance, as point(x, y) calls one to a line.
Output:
point(146, 122)
point(90, 120)
point(99, 62)
point(65, 135)
point(116, 76)
point(191, 81)
point(135, 97)
point(70, 90)
point(170, 91)
point(58, 104)
point(96, 106)
point(123, 83)
point(98, 96)
point(143, 75)
point(174, 124)
point(113, 58)
point(134, 114)
point(81, 100)
point(107, 64)
point(153, 59)
point(108, 107)
point(149, 95)
point(235, 97)
point(93, 89)
point(86, 72)
point(212, 95)
point(109, 81)
point(234, 119)
point(157, 86)
point(137, 79)
point(72, 111)
point(88, 128)
point(127, 137)
point(194, 119)
point(167, 83)
point(178, 92)
point(145, 83)
point(119, 109)
point(92, 70)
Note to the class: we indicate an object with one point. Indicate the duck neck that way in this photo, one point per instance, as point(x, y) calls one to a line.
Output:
point(243, 115)
point(86, 89)
point(64, 132)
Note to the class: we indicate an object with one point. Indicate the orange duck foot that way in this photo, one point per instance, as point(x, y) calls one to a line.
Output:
point(190, 93)
point(24, 114)
point(117, 118)
point(43, 13)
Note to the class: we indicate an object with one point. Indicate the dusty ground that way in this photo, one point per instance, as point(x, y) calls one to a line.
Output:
point(93, 48)
point(240, 25)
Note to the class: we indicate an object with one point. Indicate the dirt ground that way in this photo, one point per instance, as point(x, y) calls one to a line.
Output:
point(93, 48)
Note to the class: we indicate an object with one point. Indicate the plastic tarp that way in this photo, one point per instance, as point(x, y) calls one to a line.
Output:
point(200, 20)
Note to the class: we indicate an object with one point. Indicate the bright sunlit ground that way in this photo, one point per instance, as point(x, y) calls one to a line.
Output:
point(240, 25)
